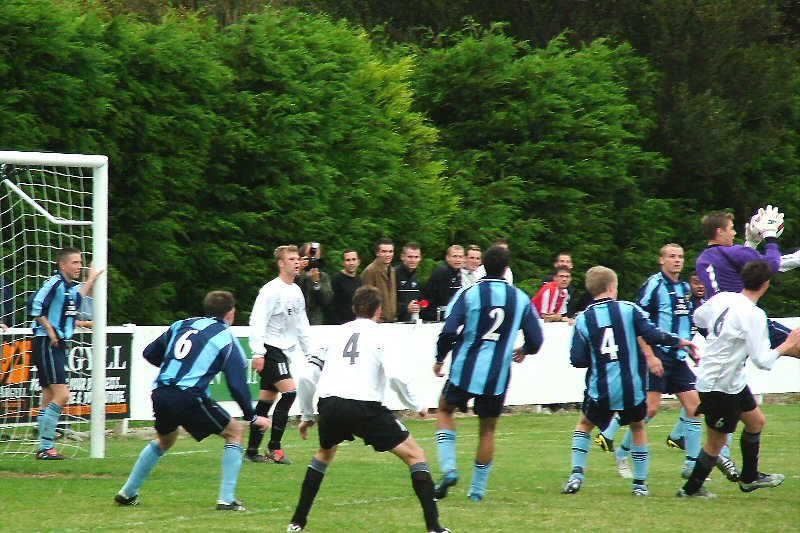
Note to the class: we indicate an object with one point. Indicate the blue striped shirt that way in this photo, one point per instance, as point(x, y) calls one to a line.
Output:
point(670, 307)
point(604, 342)
point(57, 300)
point(491, 313)
point(193, 351)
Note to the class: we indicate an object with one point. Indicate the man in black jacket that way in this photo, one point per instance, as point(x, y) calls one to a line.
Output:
point(443, 284)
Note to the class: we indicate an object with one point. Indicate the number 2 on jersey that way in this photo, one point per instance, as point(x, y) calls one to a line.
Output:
point(608, 345)
point(498, 315)
point(351, 348)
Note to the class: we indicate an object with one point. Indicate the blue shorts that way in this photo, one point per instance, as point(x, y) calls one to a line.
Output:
point(677, 378)
point(485, 406)
point(197, 413)
point(599, 413)
point(50, 361)
point(777, 333)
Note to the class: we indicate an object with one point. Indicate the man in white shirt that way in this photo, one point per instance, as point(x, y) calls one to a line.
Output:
point(278, 323)
point(350, 376)
point(472, 260)
point(737, 328)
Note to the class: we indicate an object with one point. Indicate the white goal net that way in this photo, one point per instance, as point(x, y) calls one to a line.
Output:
point(49, 202)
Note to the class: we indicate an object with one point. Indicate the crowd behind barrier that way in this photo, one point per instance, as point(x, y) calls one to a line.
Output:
point(545, 378)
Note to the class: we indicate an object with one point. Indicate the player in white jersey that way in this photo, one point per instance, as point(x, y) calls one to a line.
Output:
point(737, 329)
point(278, 323)
point(350, 375)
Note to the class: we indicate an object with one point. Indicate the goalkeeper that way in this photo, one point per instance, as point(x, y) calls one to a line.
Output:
point(719, 266)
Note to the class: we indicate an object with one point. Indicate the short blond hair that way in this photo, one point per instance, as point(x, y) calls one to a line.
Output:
point(281, 251)
point(663, 251)
point(599, 279)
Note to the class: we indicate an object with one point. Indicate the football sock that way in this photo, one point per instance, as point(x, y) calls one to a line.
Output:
point(279, 419)
point(641, 463)
point(256, 435)
point(678, 430)
point(148, 459)
point(480, 476)
point(625, 447)
point(693, 435)
point(423, 487)
point(580, 452)
point(311, 483)
point(726, 450)
point(750, 443)
point(705, 463)
point(48, 420)
point(446, 446)
point(231, 464)
point(612, 428)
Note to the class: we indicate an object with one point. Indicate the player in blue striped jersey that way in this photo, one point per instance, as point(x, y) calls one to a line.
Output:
point(480, 330)
point(190, 354)
point(604, 342)
point(54, 308)
point(667, 299)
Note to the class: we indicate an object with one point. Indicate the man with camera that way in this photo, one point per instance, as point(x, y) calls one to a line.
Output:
point(315, 284)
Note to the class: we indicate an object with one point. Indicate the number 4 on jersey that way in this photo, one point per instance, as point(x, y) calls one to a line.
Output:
point(608, 346)
point(351, 348)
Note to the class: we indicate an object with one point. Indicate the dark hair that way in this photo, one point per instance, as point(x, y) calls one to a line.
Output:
point(496, 260)
point(218, 303)
point(366, 300)
point(755, 274)
point(349, 251)
point(563, 268)
point(66, 252)
point(383, 241)
point(411, 246)
point(712, 221)
point(559, 254)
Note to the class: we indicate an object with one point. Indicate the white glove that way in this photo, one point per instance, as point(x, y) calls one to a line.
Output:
point(771, 222)
point(752, 235)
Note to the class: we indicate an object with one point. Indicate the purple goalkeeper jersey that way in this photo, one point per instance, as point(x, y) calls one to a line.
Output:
point(720, 267)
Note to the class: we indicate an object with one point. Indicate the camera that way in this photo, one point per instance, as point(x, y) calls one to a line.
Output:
point(313, 262)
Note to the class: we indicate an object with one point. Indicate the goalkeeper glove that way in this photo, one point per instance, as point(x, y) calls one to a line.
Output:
point(772, 222)
point(752, 235)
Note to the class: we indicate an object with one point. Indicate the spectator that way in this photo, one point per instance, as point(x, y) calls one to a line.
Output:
point(380, 274)
point(552, 299)
point(472, 260)
point(407, 282)
point(508, 276)
point(443, 283)
point(315, 284)
point(344, 284)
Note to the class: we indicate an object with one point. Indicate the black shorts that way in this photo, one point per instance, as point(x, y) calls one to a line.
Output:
point(723, 411)
point(599, 413)
point(197, 413)
point(777, 333)
point(276, 368)
point(677, 378)
point(485, 406)
point(341, 419)
point(50, 361)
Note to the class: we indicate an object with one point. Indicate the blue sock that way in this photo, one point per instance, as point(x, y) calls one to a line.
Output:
point(641, 462)
point(148, 459)
point(446, 446)
point(580, 453)
point(48, 420)
point(231, 464)
point(625, 447)
point(679, 430)
point(612, 428)
point(693, 435)
point(726, 450)
point(480, 475)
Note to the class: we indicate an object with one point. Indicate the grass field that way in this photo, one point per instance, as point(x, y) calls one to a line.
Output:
point(366, 491)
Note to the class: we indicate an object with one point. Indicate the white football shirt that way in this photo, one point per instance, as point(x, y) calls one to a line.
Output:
point(356, 364)
point(279, 318)
point(737, 328)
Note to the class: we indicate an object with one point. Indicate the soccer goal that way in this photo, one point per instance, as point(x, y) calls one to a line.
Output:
point(48, 202)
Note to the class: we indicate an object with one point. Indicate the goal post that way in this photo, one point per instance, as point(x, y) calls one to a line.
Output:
point(49, 201)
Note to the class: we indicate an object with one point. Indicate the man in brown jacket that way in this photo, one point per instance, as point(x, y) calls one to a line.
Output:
point(381, 274)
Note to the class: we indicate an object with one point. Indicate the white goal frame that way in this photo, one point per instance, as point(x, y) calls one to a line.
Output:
point(99, 223)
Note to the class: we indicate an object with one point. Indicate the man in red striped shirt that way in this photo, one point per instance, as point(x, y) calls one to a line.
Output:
point(552, 299)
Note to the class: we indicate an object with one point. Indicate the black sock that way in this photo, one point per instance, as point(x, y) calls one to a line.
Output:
point(750, 443)
point(705, 463)
point(314, 475)
point(279, 420)
point(256, 435)
point(423, 486)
